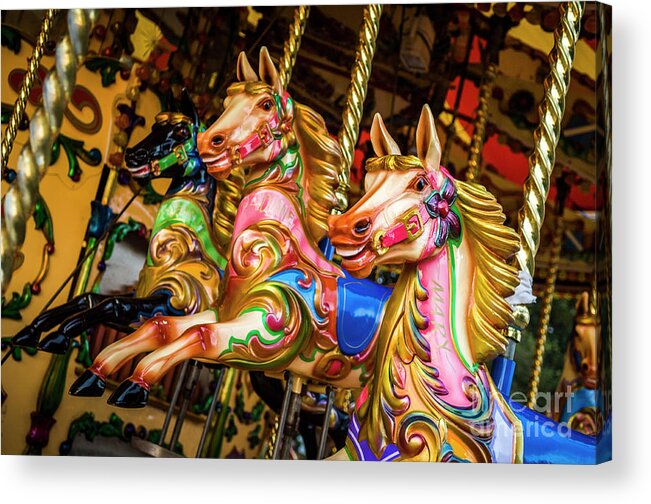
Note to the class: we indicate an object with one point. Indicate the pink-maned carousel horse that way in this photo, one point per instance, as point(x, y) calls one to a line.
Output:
point(578, 400)
point(283, 305)
point(431, 397)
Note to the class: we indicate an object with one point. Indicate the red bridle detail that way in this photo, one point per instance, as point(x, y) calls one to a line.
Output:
point(411, 224)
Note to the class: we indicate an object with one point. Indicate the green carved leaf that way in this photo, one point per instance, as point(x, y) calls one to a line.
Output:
point(107, 67)
point(11, 309)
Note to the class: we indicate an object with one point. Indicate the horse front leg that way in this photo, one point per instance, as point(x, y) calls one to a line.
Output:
point(247, 342)
point(118, 312)
point(154, 333)
point(29, 335)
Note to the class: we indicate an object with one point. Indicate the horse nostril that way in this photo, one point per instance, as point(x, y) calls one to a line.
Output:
point(584, 367)
point(217, 140)
point(362, 226)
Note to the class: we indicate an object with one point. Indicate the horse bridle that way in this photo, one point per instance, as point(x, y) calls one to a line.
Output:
point(268, 132)
point(411, 224)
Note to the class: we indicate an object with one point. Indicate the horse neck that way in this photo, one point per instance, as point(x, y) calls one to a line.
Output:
point(447, 279)
point(284, 173)
point(199, 186)
point(189, 201)
point(569, 375)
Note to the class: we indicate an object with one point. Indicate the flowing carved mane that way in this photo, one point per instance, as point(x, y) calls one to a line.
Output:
point(492, 244)
point(228, 197)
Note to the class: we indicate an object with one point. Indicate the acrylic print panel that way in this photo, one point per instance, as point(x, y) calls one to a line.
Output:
point(317, 232)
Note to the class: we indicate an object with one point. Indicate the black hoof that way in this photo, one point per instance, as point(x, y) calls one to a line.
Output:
point(88, 385)
point(26, 337)
point(55, 342)
point(129, 395)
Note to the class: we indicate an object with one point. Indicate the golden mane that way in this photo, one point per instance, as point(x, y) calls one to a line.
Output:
point(492, 244)
point(322, 162)
point(227, 200)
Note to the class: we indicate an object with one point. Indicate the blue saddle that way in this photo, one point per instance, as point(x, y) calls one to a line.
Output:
point(360, 304)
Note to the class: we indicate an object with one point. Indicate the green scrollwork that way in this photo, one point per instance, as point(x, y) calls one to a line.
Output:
point(11, 309)
point(107, 67)
point(75, 151)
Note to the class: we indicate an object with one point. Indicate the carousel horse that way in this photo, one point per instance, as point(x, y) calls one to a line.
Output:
point(283, 305)
point(185, 258)
point(431, 397)
point(578, 401)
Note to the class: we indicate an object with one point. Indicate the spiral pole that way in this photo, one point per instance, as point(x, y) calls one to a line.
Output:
point(34, 159)
point(26, 87)
point(481, 114)
point(355, 96)
point(292, 44)
point(546, 135)
point(545, 311)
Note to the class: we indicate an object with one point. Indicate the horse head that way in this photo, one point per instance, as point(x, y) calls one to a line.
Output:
point(407, 210)
point(585, 342)
point(256, 126)
point(171, 145)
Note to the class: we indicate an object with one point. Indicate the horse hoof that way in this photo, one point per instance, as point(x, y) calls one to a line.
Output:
point(55, 342)
point(88, 385)
point(26, 337)
point(129, 395)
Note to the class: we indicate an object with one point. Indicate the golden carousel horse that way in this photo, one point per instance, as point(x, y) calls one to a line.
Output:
point(578, 400)
point(432, 398)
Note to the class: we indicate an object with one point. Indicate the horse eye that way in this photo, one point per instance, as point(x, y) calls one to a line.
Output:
point(266, 105)
point(181, 133)
point(421, 184)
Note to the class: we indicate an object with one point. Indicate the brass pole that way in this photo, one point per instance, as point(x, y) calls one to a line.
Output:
point(287, 62)
point(545, 311)
point(546, 136)
point(34, 159)
point(481, 114)
point(356, 94)
point(26, 87)
point(292, 44)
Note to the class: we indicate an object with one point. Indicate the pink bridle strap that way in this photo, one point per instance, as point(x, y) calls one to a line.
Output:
point(268, 133)
point(263, 137)
point(409, 227)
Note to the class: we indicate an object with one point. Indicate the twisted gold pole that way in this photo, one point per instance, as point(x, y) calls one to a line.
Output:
point(546, 136)
point(18, 202)
point(356, 94)
point(481, 114)
point(546, 309)
point(292, 44)
point(273, 439)
point(26, 87)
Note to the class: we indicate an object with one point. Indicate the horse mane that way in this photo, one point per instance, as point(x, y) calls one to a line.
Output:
point(227, 200)
point(323, 167)
point(492, 244)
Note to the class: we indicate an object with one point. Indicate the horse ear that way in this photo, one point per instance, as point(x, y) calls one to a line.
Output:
point(428, 146)
point(383, 143)
point(583, 305)
point(268, 72)
point(245, 71)
point(172, 105)
point(187, 107)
